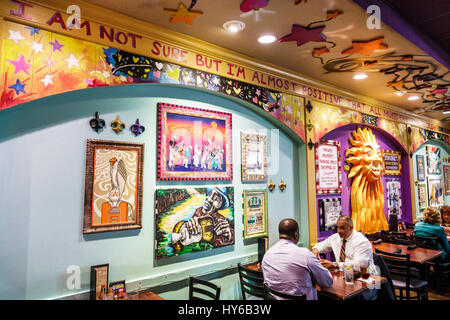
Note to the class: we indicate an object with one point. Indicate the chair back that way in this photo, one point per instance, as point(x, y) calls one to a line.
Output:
point(387, 289)
point(252, 282)
point(395, 237)
point(399, 266)
point(270, 294)
point(425, 242)
point(202, 290)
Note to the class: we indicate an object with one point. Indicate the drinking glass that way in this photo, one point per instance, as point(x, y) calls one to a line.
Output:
point(348, 273)
point(364, 265)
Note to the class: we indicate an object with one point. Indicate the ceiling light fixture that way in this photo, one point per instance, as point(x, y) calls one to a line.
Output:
point(412, 98)
point(234, 26)
point(400, 93)
point(267, 38)
point(360, 76)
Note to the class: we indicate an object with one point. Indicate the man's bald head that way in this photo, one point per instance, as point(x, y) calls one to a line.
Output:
point(288, 229)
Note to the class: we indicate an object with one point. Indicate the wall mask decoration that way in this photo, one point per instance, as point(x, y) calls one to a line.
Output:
point(193, 219)
point(194, 144)
point(271, 186)
point(113, 186)
point(137, 128)
point(253, 156)
point(394, 198)
point(117, 125)
point(367, 193)
point(329, 211)
point(433, 159)
point(435, 191)
point(96, 123)
point(282, 185)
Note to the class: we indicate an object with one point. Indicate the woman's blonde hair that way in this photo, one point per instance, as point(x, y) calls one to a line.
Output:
point(432, 215)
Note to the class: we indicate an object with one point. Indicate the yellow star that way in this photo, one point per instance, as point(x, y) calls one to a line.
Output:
point(366, 48)
point(182, 14)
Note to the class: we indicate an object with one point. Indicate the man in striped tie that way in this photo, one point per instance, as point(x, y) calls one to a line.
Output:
point(348, 246)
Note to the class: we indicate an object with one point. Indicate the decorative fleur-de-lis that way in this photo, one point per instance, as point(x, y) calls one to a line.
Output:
point(96, 123)
point(282, 185)
point(271, 185)
point(137, 128)
point(117, 125)
point(309, 126)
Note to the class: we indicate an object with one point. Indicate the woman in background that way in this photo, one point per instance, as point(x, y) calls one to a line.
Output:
point(445, 211)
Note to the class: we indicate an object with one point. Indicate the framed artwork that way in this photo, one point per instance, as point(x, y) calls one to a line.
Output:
point(329, 211)
point(117, 286)
point(194, 144)
point(433, 159)
point(446, 169)
point(422, 196)
point(255, 214)
point(193, 219)
point(420, 167)
point(392, 162)
point(253, 156)
point(113, 186)
point(99, 277)
point(435, 192)
point(328, 167)
point(394, 198)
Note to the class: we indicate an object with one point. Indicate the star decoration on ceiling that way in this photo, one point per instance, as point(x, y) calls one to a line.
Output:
point(304, 35)
point(18, 87)
point(249, 5)
point(182, 14)
point(20, 65)
point(366, 48)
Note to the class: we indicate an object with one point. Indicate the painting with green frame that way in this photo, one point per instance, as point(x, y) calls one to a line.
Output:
point(255, 214)
point(422, 196)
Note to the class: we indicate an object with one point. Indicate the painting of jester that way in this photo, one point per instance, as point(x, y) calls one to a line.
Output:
point(193, 219)
point(193, 144)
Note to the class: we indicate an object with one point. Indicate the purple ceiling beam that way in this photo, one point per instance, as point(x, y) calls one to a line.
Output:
point(401, 26)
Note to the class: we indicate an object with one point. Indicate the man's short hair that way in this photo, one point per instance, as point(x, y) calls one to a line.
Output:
point(346, 219)
point(288, 227)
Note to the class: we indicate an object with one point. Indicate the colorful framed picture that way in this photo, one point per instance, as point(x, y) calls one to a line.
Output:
point(99, 277)
point(392, 162)
point(420, 159)
point(194, 144)
point(329, 211)
point(328, 167)
point(446, 169)
point(433, 159)
point(113, 186)
point(435, 192)
point(394, 198)
point(255, 214)
point(193, 219)
point(253, 156)
point(422, 196)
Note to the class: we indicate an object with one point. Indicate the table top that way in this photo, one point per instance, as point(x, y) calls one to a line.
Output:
point(417, 255)
point(342, 291)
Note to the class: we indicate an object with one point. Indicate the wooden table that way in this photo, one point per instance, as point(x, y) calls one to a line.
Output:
point(418, 255)
point(342, 291)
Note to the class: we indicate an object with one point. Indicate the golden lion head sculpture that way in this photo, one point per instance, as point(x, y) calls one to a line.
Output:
point(367, 193)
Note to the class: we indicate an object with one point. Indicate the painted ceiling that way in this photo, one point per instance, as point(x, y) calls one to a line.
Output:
point(327, 40)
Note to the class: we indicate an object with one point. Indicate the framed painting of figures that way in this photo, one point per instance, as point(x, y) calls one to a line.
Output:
point(113, 186)
point(194, 144)
point(435, 191)
point(193, 219)
point(433, 159)
point(253, 156)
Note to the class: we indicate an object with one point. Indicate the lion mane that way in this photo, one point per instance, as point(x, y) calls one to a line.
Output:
point(367, 193)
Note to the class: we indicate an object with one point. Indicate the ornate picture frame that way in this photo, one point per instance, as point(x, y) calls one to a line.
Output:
point(99, 277)
point(255, 214)
point(329, 211)
point(433, 159)
point(435, 191)
point(422, 196)
point(328, 167)
point(446, 169)
point(193, 144)
point(392, 162)
point(420, 163)
point(113, 186)
point(253, 157)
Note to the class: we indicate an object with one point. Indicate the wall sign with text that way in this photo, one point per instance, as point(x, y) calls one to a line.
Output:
point(392, 162)
point(328, 167)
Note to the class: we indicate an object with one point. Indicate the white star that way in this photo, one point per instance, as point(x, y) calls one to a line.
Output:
point(15, 36)
point(37, 47)
point(72, 61)
point(47, 79)
point(106, 74)
point(123, 78)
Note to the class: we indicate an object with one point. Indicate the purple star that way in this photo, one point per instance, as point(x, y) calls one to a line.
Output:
point(56, 45)
point(304, 35)
point(18, 87)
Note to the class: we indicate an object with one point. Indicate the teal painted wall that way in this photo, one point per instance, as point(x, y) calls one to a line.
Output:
point(422, 151)
point(42, 148)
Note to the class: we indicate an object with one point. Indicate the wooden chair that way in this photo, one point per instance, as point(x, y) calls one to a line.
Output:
point(270, 294)
point(252, 283)
point(400, 269)
point(202, 287)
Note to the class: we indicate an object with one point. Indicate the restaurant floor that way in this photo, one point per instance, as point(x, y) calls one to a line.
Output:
point(433, 294)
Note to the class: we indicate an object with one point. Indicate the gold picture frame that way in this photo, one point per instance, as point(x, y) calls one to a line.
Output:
point(253, 157)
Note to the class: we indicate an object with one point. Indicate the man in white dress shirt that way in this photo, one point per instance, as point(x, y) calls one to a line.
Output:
point(348, 246)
